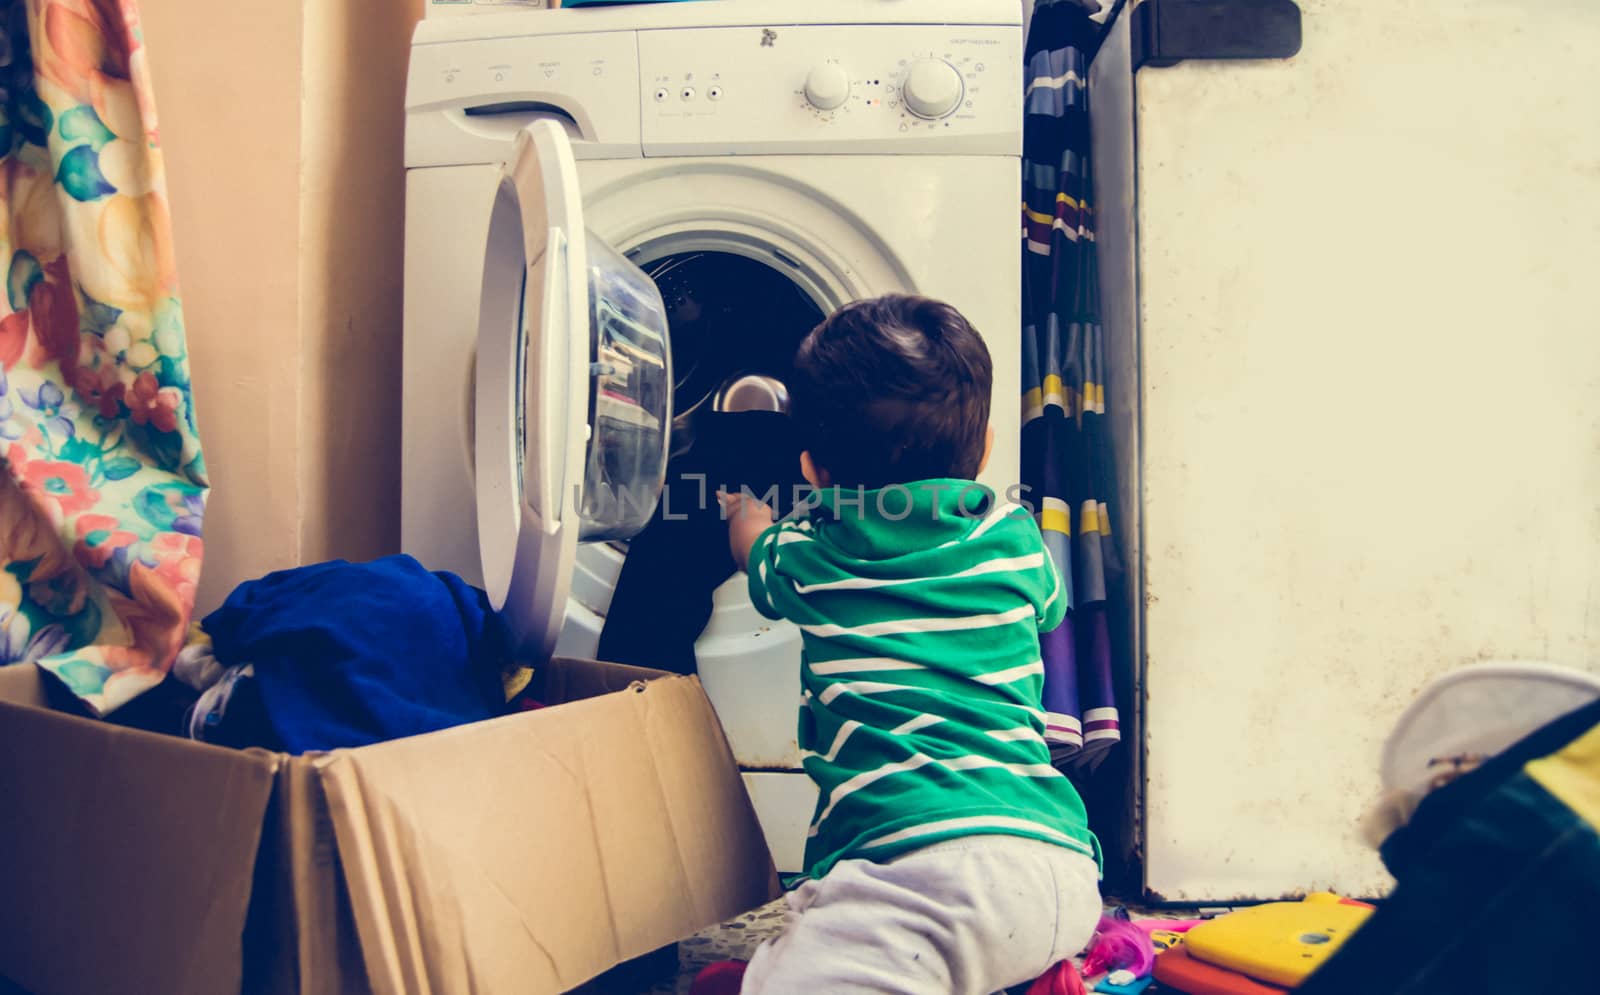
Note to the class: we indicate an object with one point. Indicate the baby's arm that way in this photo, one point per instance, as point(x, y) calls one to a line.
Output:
point(747, 519)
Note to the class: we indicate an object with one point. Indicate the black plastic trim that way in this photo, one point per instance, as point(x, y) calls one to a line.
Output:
point(1167, 32)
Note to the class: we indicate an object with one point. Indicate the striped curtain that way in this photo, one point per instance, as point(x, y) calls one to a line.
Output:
point(1066, 453)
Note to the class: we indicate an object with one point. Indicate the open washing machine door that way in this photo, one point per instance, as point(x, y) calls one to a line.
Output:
point(573, 399)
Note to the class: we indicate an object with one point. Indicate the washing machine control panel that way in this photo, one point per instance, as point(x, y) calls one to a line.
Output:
point(817, 89)
point(931, 88)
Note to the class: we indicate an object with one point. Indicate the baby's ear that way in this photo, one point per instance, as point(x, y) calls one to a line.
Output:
point(988, 448)
point(815, 475)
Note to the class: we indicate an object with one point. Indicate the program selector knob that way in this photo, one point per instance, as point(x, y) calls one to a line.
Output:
point(932, 89)
point(827, 87)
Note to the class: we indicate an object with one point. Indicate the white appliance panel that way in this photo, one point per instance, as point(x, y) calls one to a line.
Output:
point(1368, 372)
point(466, 102)
point(721, 92)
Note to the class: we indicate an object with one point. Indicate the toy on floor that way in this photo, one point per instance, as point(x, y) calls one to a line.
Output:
point(1119, 945)
point(1123, 982)
point(1166, 933)
point(1164, 939)
point(1153, 926)
point(1280, 942)
point(725, 977)
point(1177, 970)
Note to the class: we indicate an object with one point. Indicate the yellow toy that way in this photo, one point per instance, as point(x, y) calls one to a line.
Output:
point(1280, 943)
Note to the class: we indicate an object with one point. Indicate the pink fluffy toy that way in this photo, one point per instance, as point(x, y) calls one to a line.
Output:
point(1119, 945)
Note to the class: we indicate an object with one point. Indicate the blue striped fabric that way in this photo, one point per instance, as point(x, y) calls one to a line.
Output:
point(1066, 453)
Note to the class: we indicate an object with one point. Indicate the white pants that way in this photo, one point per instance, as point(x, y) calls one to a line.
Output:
point(967, 917)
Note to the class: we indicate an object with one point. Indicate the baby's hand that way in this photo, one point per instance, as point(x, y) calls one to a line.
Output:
point(747, 519)
point(745, 505)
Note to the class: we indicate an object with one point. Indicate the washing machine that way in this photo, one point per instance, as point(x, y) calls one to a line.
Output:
point(761, 160)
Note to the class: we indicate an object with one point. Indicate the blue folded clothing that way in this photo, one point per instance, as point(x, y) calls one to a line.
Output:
point(348, 654)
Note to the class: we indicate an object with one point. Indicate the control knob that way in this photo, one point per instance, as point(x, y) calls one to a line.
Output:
point(932, 89)
point(827, 87)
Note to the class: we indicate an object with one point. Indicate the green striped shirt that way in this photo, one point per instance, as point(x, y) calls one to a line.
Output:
point(921, 716)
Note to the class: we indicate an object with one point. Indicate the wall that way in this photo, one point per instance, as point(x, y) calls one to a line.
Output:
point(229, 110)
point(352, 223)
point(281, 125)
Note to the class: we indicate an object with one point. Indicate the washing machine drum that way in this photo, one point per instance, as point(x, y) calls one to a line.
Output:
point(573, 404)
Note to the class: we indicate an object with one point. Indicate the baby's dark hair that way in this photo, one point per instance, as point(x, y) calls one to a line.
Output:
point(892, 390)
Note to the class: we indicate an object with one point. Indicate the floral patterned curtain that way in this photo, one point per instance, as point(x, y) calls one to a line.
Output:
point(104, 486)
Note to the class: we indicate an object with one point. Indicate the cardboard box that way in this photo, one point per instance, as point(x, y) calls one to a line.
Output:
point(526, 854)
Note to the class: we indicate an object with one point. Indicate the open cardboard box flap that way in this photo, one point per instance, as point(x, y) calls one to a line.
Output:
point(528, 853)
point(544, 852)
point(123, 855)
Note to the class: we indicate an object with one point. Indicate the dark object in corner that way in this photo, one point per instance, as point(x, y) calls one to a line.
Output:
point(637, 975)
point(1167, 32)
point(1492, 869)
point(161, 709)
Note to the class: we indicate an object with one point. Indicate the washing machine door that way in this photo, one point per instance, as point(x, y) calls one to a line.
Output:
point(573, 398)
